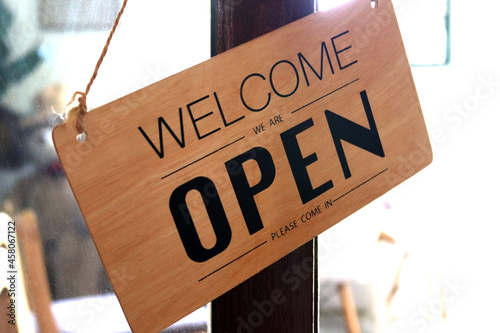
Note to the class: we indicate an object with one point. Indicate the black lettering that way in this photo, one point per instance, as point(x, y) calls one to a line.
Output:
point(339, 52)
point(299, 164)
point(185, 225)
point(244, 193)
point(344, 129)
point(200, 118)
point(259, 129)
point(303, 59)
point(243, 99)
point(296, 75)
point(226, 124)
point(161, 121)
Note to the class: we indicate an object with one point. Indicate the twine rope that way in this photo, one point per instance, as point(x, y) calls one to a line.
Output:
point(81, 109)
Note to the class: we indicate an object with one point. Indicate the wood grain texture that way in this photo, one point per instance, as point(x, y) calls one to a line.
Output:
point(349, 309)
point(124, 188)
point(5, 302)
point(33, 266)
point(250, 302)
point(281, 298)
point(239, 21)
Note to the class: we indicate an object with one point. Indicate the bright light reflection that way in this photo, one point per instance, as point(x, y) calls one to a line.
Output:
point(328, 4)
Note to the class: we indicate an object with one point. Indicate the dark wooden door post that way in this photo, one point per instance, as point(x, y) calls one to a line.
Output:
point(283, 297)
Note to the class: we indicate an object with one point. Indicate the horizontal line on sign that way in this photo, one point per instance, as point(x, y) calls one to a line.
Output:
point(369, 180)
point(331, 92)
point(198, 160)
point(255, 248)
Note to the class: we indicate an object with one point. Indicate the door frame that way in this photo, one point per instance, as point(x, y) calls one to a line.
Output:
point(283, 297)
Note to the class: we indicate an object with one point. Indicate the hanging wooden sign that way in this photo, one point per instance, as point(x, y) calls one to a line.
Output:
point(194, 184)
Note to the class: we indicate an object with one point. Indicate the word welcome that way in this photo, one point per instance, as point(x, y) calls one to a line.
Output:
point(255, 94)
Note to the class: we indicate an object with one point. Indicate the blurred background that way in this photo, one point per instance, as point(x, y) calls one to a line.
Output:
point(419, 259)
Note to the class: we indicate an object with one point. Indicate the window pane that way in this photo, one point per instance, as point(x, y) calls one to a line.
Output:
point(372, 274)
point(48, 50)
point(424, 26)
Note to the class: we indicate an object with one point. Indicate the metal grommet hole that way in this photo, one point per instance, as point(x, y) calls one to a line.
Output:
point(81, 137)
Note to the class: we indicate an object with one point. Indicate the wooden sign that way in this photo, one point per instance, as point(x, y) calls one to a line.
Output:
point(194, 184)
